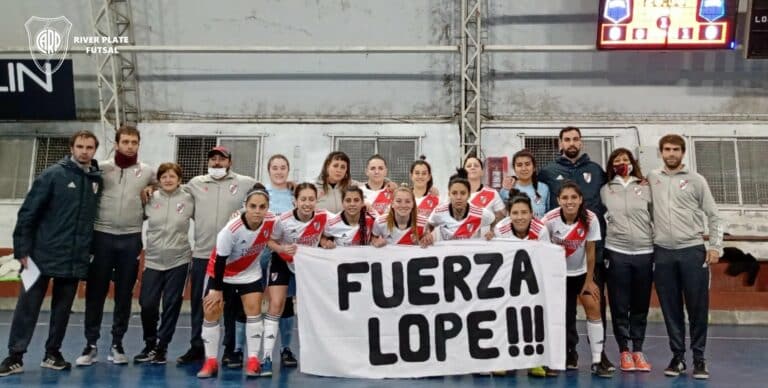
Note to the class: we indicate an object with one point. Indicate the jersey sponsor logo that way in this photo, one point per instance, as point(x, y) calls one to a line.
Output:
point(587, 177)
point(180, 208)
point(683, 184)
point(233, 188)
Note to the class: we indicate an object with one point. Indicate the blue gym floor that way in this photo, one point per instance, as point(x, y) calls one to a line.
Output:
point(737, 358)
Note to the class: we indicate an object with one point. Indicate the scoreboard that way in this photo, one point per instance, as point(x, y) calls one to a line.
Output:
point(757, 30)
point(666, 24)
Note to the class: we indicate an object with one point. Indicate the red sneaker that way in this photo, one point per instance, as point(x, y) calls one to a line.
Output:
point(210, 369)
point(253, 367)
point(627, 363)
point(641, 364)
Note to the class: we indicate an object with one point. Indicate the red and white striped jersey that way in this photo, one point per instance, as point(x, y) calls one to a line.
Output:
point(345, 235)
point(379, 200)
point(537, 231)
point(294, 231)
point(487, 198)
point(426, 204)
point(453, 229)
point(396, 235)
point(573, 238)
point(242, 247)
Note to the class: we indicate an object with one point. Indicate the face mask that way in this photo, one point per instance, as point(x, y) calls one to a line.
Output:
point(623, 170)
point(217, 173)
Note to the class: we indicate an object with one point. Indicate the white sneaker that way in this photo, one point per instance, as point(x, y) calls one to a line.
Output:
point(88, 357)
point(117, 355)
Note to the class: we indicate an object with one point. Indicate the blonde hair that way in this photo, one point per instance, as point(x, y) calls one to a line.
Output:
point(414, 216)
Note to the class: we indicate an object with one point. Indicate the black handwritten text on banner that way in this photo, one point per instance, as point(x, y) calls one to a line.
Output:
point(458, 307)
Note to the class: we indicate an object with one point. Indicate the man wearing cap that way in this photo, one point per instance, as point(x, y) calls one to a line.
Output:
point(217, 195)
point(116, 244)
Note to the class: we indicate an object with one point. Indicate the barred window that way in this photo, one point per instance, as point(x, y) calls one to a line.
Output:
point(545, 148)
point(192, 154)
point(25, 158)
point(732, 168)
point(398, 152)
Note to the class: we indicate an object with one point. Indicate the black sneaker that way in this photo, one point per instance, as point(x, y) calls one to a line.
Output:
point(158, 355)
point(676, 366)
point(11, 365)
point(287, 358)
point(606, 362)
point(233, 360)
point(145, 354)
point(571, 360)
point(194, 354)
point(600, 370)
point(700, 370)
point(54, 360)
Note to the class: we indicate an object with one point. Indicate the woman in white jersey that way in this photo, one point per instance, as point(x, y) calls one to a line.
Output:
point(352, 226)
point(459, 219)
point(423, 187)
point(480, 196)
point(576, 229)
point(402, 224)
point(526, 180)
point(520, 223)
point(234, 267)
point(302, 226)
point(377, 194)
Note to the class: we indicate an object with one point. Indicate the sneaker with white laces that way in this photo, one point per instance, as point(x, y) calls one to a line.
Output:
point(117, 355)
point(54, 360)
point(11, 365)
point(676, 367)
point(88, 357)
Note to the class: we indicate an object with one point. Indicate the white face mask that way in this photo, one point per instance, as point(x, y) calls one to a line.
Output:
point(217, 173)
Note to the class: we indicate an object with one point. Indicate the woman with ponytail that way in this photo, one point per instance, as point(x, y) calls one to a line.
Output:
point(526, 180)
point(459, 219)
point(352, 226)
point(426, 195)
point(577, 229)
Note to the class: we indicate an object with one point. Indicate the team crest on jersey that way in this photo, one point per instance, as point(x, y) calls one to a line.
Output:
point(137, 172)
point(316, 225)
point(581, 232)
point(587, 177)
point(429, 202)
point(470, 227)
point(265, 233)
point(95, 187)
point(683, 184)
point(233, 189)
point(156, 205)
point(205, 188)
point(483, 200)
point(180, 208)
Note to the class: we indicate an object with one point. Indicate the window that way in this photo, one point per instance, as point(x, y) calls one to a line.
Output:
point(545, 149)
point(398, 152)
point(732, 168)
point(24, 155)
point(192, 154)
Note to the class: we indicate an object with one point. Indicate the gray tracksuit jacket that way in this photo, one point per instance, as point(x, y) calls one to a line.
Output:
point(120, 210)
point(628, 218)
point(680, 202)
point(215, 203)
point(168, 218)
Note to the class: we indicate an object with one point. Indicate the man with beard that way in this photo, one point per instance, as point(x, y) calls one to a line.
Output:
point(54, 228)
point(574, 165)
point(218, 195)
point(680, 200)
point(116, 244)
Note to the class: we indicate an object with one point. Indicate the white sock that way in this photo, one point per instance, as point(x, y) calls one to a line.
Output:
point(595, 336)
point(271, 325)
point(211, 334)
point(254, 328)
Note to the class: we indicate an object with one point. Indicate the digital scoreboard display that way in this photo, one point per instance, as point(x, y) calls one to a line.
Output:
point(666, 24)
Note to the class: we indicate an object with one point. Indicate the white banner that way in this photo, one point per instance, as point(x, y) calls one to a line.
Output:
point(456, 308)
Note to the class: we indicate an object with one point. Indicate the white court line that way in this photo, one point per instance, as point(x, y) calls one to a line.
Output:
point(580, 334)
